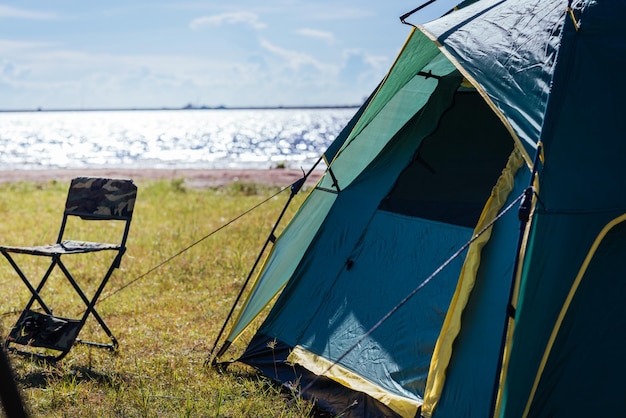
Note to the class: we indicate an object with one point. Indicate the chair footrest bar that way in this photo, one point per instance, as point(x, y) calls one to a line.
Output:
point(111, 347)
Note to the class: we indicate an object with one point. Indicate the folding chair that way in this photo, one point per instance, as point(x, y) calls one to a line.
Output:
point(88, 199)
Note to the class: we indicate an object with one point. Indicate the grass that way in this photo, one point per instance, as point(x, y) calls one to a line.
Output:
point(166, 321)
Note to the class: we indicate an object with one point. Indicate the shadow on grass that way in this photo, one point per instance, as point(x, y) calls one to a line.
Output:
point(40, 379)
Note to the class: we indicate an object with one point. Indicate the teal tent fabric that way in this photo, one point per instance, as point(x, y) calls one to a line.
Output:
point(509, 48)
point(292, 244)
point(348, 309)
point(367, 255)
point(363, 147)
point(542, 75)
point(580, 194)
point(345, 168)
point(554, 74)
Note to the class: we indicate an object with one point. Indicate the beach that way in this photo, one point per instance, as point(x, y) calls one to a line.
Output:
point(196, 178)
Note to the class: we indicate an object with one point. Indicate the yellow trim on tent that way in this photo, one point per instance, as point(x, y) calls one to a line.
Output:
point(405, 407)
point(326, 160)
point(566, 305)
point(511, 324)
point(452, 323)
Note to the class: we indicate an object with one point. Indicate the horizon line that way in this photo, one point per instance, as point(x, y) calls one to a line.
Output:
point(186, 107)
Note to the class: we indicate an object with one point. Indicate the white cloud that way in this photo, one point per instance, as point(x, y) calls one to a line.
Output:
point(10, 71)
point(293, 59)
point(247, 18)
point(317, 34)
point(339, 13)
point(374, 61)
point(7, 46)
point(13, 12)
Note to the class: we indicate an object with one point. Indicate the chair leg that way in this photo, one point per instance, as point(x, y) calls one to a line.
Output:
point(34, 329)
point(91, 307)
point(34, 292)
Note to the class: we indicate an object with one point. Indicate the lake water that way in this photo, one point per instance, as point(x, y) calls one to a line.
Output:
point(168, 138)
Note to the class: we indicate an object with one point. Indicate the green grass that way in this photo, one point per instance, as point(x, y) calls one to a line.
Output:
point(165, 321)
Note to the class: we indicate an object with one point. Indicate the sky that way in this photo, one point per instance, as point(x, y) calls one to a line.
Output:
point(171, 53)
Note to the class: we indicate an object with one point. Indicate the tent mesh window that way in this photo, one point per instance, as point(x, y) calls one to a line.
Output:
point(455, 168)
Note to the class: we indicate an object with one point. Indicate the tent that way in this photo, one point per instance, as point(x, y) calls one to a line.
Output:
point(461, 255)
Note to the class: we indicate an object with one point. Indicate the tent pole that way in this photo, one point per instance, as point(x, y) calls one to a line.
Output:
point(524, 216)
point(405, 16)
point(271, 238)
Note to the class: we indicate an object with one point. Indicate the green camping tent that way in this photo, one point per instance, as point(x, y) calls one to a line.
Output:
point(409, 282)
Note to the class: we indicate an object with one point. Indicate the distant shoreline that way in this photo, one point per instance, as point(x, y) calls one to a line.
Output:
point(195, 178)
point(188, 107)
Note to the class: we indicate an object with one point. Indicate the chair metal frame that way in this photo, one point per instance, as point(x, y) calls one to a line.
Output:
point(90, 199)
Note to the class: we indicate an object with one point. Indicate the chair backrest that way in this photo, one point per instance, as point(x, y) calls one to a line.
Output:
point(101, 198)
point(95, 199)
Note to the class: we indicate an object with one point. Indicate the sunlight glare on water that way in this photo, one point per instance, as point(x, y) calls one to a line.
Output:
point(168, 138)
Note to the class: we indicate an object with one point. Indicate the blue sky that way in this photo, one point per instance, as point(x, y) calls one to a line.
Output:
point(121, 54)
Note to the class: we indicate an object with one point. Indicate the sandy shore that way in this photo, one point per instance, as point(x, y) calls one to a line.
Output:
point(193, 178)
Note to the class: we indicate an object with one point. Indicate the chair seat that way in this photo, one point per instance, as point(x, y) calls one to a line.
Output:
point(65, 247)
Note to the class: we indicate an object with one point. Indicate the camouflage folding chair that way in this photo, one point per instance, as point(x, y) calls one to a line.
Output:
point(36, 332)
